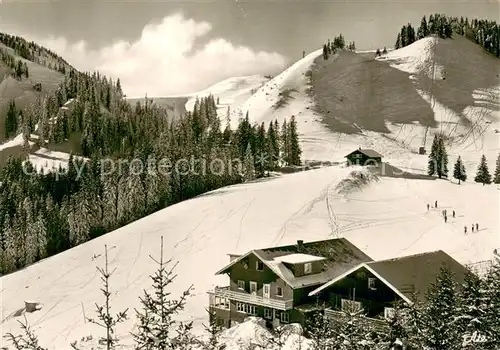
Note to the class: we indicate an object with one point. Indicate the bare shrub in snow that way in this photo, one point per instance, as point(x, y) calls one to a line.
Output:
point(357, 180)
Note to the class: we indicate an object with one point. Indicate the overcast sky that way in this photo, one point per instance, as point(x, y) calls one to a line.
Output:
point(166, 47)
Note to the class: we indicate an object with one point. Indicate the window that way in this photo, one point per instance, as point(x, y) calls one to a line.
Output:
point(266, 290)
point(389, 312)
point(253, 287)
point(251, 310)
point(307, 268)
point(284, 317)
point(259, 265)
point(246, 308)
point(350, 305)
point(372, 283)
point(241, 284)
point(222, 303)
point(268, 313)
point(240, 307)
point(279, 291)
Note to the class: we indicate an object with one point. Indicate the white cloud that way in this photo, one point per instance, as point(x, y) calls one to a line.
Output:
point(161, 63)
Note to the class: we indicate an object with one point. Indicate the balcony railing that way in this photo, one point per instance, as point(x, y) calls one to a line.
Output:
point(225, 292)
point(378, 324)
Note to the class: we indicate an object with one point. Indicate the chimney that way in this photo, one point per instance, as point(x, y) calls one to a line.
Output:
point(299, 245)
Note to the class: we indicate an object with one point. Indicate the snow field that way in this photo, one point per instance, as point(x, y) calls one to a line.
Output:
point(387, 218)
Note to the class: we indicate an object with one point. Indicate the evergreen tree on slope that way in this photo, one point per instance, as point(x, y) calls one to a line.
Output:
point(483, 174)
point(459, 170)
point(433, 156)
point(438, 326)
point(249, 165)
point(496, 176)
point(285, 143)
point(442, 158)
point(492, 287)
point(273, 149)
point(157, 329)
point(294, 147)
point(11, 122)
point(398, 42)
point(423, 31)
point(472, 312)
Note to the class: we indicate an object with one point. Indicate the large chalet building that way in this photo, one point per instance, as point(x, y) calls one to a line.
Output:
point(283, 284)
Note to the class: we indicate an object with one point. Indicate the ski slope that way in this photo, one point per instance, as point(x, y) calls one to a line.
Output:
point(200, 232)
point(231, 92)
point(415, 58)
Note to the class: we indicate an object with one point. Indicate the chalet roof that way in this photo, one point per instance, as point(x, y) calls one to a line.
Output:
point(367, 152)
point(299, 258)
point(409, 274)
point(339, 255)
point(418, 271)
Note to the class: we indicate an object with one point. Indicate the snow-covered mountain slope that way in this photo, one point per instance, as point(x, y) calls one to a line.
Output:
point(231, 92)
point(199, 233)
point(415, 58)
point(286, 95)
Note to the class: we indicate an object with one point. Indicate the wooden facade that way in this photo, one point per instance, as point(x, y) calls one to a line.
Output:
point(275, 284)
point(364, 289)
point(256, 290)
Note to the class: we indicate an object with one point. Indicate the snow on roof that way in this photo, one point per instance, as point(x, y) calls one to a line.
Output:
point(298, 258)
point(367, 151)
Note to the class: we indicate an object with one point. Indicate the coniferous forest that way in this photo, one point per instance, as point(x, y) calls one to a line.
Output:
point(483, 32)
point(137, 160)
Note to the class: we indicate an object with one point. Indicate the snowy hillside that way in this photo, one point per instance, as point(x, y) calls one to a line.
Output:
point(200, 232)
point(386, 217)
point(415, 58)
point(231, 92)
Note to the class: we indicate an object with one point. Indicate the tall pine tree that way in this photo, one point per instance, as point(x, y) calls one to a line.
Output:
point(294, 147)
point(438, 324)
point(11, 121)
point(483, 174)
point(496, 176)
point(459, 170)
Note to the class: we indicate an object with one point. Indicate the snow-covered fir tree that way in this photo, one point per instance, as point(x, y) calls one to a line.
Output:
point(438, 322)
point(496, 176)
point(293, 139)
point(438, 158)
point(157, 328)
point(472, 313)
point(483, 174)
point(249, 165)
point(459, 170)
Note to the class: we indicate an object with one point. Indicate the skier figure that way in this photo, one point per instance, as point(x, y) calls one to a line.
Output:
point(472, 227)
point(427, 206)
point(477, 227)
point(435, 204)
point(465, 229)
point(453, 213)
point(445, 219)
